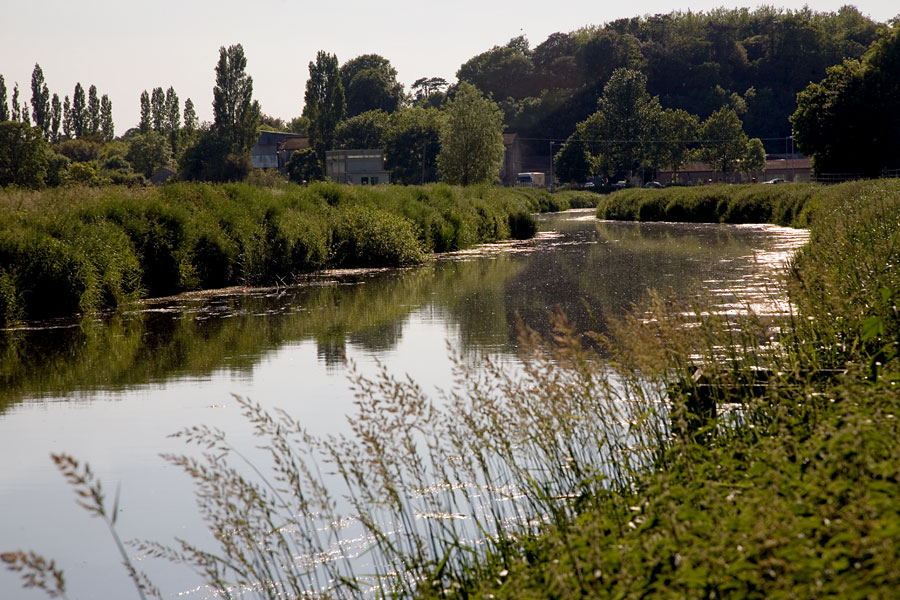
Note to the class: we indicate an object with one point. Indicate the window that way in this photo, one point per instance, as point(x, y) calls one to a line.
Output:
point(364, 180)
point(374, 181)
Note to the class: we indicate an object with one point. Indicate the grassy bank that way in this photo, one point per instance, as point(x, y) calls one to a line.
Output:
point(787, 204)
point(792, 497)
point(73, 250)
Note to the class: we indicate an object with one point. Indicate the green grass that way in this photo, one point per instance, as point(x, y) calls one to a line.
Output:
point(779, 204)
point(72, 250)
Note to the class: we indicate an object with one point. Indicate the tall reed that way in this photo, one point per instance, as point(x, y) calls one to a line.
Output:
point(73, 250)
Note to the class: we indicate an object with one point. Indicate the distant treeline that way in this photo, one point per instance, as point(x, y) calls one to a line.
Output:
point(756, 61)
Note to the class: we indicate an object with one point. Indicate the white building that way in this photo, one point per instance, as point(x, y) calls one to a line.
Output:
point(359, 167)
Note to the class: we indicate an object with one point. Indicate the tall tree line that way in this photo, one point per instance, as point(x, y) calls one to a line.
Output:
point(85, 115)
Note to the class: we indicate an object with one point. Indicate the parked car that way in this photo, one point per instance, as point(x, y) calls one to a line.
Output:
point(773, 181)
point(653, 184)
point(619, 185)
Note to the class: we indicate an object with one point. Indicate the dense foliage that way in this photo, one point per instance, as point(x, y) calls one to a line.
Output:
point(850, 121)
point(755, 61)
point(75, 249)
point(788, 205)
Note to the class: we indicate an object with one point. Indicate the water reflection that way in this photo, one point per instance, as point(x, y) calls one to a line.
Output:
point(109, 389)
point(591, 270)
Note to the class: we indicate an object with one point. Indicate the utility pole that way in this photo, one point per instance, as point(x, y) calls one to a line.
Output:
point(552, 179)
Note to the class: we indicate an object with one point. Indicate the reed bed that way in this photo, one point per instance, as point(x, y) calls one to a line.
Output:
point(786, 204)
point(710, 456)
point(72, 250)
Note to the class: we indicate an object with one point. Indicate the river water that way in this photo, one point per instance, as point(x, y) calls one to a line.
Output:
point(110, 389)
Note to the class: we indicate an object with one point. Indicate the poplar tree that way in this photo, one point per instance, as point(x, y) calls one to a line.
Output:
point(144, 125)
point(172, 111)
point(40, 100)
point(190, 117)
point(55, 118)
point(16, 109)
point(67, 118)
point(324, 102)
point(78, 113)
point(107, 128)
point(93, 111)
point(158, 108)
point(235, 113)
point(4, 107)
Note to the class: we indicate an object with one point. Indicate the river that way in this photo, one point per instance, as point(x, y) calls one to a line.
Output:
point(109, 389)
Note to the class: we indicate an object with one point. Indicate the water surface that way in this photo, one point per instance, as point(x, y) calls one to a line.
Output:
point(109, 389)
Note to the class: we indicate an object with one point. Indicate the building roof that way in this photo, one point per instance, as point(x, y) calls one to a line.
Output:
point(295, 143)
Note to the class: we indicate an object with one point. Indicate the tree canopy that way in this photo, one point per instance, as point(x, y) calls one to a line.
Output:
point(324, 102)
point(850, 121)
point(471, 139)
point(370, 83)
point(235, 113)
point(23, 155)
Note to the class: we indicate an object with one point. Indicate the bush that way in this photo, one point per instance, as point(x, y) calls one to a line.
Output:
point(369, 237)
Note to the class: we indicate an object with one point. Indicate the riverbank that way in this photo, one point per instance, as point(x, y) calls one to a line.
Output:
point(74, 250)
point(787, 204)
point(794, 495)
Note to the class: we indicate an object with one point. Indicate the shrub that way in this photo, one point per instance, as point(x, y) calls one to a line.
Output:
point(369, 237)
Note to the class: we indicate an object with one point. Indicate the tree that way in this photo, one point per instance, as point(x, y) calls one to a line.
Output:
point(324, 103)
point(158, 109)
point(425, 87)
point(850, 121)
point(107, 128)
point(370, 83)
point(412, 144)
point(754, 160)
point(93, 111)
point(67, 118)
point(299, 125)
point(40, 101)
point(724, 140)
point(26, 118)
point(146, 121)
point(501, 72)
point(16, 108)
point(364, 131)
point(573, 163)
point(172, 111)
point(471, 139)
point(23, 155)
point(4, 107)
point(147, 152)
point(235, 113)
point(304, 166)
point(626, 120)
point(678, 129)
point(55, 118)
point(79, 112)
point(211, 158)
point(190, 117)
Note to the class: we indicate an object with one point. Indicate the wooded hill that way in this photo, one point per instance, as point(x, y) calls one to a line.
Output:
point(755, 61)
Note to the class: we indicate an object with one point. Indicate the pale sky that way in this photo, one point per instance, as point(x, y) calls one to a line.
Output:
point(124, 47)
